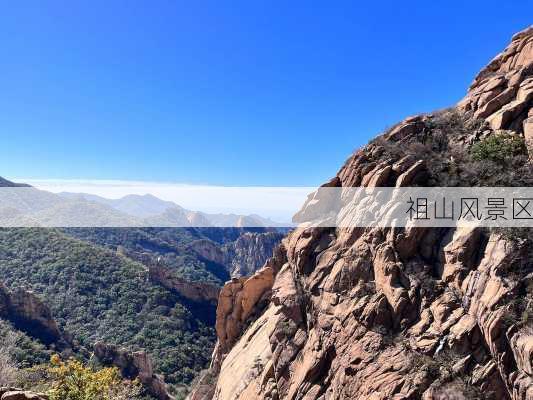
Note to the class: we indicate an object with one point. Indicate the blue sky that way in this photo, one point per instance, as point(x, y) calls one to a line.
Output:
point(227, 92)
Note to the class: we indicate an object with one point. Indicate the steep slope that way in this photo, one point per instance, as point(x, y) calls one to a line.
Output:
point(242, 256)
point(250, 251)
point(200, 255)
point(167, 247)
point(383, 313)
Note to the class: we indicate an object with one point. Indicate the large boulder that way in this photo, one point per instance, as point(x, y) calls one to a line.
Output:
point(19, 394)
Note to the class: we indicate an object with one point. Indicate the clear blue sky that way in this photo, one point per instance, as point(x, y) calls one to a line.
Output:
point(227, 92)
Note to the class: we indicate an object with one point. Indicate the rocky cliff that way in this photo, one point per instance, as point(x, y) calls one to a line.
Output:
point(29, 314)
point(381, 313)
point(250, 251)
point(133, 365)
point(195, 291)
point(240, 257)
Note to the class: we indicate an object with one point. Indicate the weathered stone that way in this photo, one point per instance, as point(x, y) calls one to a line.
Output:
point(22, 395)
point(410, 176)
point(30, 314)
point(502, 91)
point(195, 291)
point(133, 365)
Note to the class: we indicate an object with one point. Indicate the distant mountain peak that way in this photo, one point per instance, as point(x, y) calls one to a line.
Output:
point(6, 183)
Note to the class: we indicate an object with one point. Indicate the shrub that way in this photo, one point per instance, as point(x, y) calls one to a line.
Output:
point(499, 148)
point(461, 151)
point(72, 380)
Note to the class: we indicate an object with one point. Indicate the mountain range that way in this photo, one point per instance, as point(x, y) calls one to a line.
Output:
point(23, 205)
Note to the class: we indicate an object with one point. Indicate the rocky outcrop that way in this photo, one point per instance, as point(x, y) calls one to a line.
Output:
point(243, 256)
point(250, 251)
point(240, 257)
point(209, 250)
point(20, 394)
point(502, 92)
point(240, 300)
point(384, 313)
point(195, 291)
point(29, 314)
point(133, 365)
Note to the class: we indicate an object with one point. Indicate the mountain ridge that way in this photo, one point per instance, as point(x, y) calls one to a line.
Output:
point(22, 205)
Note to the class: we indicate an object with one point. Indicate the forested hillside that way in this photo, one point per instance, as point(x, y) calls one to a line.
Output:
point(95, 294)
point(168, 245)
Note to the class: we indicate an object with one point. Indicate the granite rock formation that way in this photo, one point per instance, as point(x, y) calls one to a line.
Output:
point(502, 92)
point(250, 251)
point(133, 365)
point(243, 256)
point(383, 313)
point(195, 291)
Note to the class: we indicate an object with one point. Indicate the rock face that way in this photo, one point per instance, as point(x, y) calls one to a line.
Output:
point(133, 365)
point(195, 291)
point(209, 250)
point(240, 302)
point(240, 257)
point(250, 251)
point(383, 313)
point(243, 256)
point(241, 299)
point(30, 314)
point(502, 92)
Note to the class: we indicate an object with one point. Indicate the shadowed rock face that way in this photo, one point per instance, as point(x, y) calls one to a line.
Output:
point(29, 314)
point(243, 256)
point(387, 313)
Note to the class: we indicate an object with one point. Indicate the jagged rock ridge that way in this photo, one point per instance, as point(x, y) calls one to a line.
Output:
point(250, 251)
point(390, 313)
